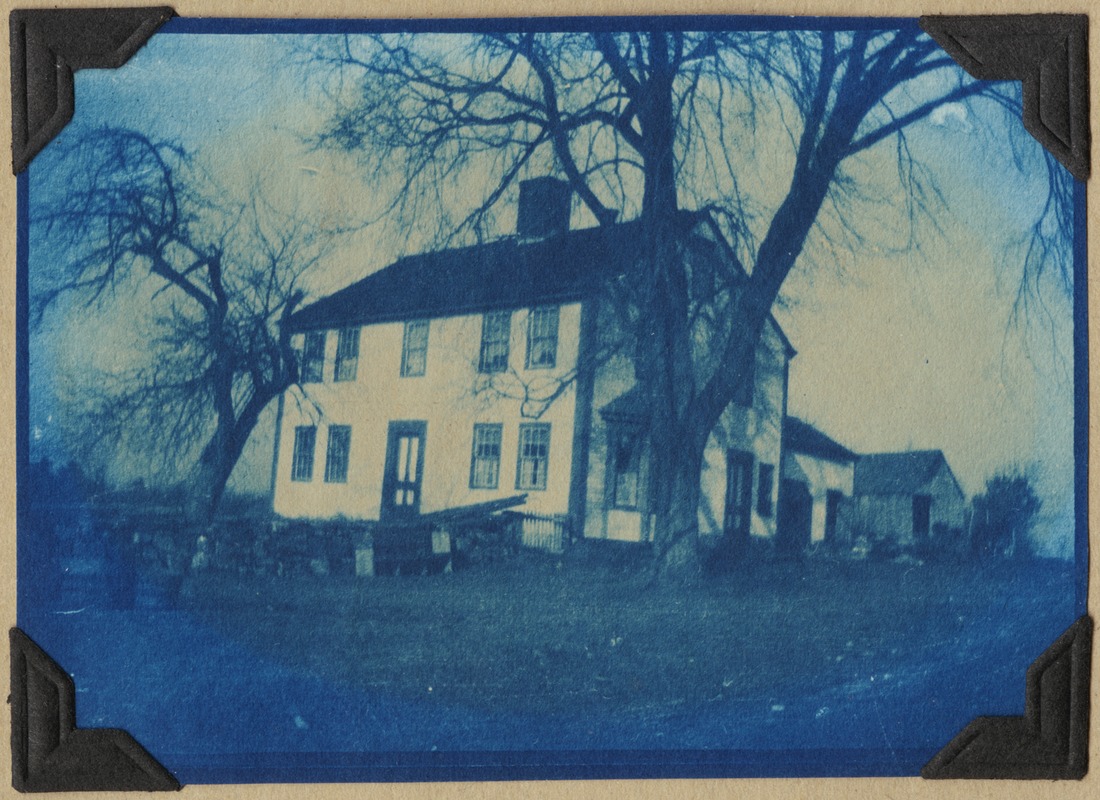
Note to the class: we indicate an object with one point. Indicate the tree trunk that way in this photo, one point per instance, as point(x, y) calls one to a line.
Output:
point(676, 465)
point(222, 452)
point(664, 359)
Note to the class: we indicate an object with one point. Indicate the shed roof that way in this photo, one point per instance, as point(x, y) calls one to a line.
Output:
point(897, 473)
point(802, 437)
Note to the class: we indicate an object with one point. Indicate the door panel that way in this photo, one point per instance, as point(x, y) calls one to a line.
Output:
point(832, 512)
point(922, 515)
point(404, 469)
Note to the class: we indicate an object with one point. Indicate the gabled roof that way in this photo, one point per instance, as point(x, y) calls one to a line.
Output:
point(507, 273)
point(801, 437)
point(898, 473)
point(504, 274)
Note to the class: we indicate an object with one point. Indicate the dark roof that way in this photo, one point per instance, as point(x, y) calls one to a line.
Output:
point(898, 473)
point(508, 273)
point(801, 437)
point(630, 406)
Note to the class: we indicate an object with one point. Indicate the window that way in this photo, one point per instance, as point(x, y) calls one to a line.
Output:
point(347, 355)
point(313, 357)
point(496, 329)
point(534, 455)
point(764, 490)
point(301, 468)
point(336, 459)
point(745, 393)
point(626, 458)
point(414, 351)
point(542, 337)
point(485, 461)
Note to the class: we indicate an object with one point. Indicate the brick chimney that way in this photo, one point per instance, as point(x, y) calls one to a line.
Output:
point(544, 207)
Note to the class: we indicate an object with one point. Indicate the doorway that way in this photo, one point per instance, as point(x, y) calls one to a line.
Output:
point(404, 470)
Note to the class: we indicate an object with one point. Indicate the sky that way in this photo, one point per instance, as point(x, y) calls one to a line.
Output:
point(898, 346)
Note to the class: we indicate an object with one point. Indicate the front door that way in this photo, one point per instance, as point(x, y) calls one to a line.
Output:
point(795, 521)
point(738, 495)
point(832, 513)
point(404, 470)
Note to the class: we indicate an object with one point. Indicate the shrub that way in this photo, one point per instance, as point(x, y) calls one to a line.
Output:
point(1003, 516)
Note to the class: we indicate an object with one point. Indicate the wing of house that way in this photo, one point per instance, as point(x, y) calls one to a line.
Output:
point(908, 497)
point(475, 373)
point(818, 476)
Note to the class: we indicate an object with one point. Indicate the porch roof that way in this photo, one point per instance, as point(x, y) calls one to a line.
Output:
point(630, 406)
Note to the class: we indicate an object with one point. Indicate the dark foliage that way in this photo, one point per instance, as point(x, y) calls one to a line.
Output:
point(1003, 517)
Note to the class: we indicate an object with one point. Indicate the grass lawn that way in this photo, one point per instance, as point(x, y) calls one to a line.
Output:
point(535, 635)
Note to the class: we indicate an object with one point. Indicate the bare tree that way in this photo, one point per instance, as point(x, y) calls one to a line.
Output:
point(650, 124)
point(220, 277)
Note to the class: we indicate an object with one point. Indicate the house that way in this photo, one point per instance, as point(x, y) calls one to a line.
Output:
point(818, 479)
point(908, 499)
point(478, 373)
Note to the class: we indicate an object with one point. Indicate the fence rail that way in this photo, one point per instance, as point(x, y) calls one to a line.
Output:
point(548, 533)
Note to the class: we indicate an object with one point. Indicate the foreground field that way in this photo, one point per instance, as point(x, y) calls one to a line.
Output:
point(537, 636)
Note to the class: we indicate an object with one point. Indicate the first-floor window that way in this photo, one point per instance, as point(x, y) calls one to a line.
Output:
point(626, 459)
point(336, 458)
point(485, 461)
point(764, 490)
point(313, 357)
point(305, 438)
point(534, 455)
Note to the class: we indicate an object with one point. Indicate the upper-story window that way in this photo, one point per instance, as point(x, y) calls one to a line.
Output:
point(305, 441)
point(313, 357)
point(347, 355)
point(745, 391)
point(496, 330)
point(542, 337)
point(414, 350)
point(534, 455)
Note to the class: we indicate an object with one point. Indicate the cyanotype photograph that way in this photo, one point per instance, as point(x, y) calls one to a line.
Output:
point(552, 398)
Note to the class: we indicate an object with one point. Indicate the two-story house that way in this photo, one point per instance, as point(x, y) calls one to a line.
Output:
point(478, 373)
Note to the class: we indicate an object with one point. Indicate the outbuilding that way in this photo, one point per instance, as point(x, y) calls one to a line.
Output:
point(909, 499)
